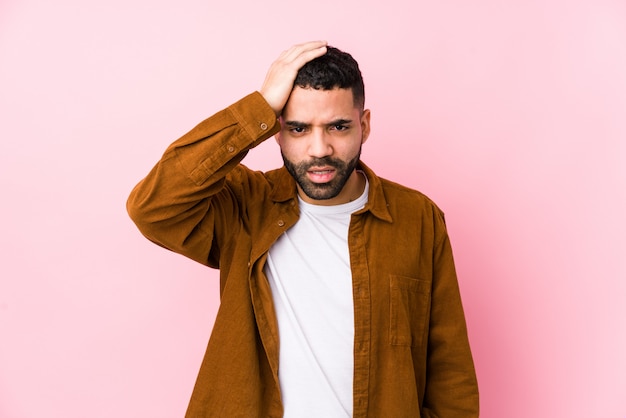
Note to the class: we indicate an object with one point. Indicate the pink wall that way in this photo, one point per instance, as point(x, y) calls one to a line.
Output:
point(511, 115)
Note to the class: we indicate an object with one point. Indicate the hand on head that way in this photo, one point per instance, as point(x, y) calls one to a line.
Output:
point(282, 73)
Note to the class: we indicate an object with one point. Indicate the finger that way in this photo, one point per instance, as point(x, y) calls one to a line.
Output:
point(306, 51)
point(279, 80)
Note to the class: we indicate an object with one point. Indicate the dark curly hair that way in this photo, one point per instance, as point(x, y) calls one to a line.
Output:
point(333, 69)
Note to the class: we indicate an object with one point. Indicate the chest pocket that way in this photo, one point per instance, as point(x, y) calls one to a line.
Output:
point(409, 309)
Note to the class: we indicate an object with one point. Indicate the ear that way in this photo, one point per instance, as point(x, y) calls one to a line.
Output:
point(365, 125)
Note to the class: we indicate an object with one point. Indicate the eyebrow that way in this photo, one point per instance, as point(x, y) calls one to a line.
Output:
point(340, 122)
point(296, 124)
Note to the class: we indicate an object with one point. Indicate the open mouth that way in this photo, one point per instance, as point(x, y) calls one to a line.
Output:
point(321, 175)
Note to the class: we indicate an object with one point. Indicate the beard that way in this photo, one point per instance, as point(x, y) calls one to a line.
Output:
point(322, 191)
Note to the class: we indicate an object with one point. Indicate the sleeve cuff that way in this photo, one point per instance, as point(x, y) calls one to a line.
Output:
point(256, 116)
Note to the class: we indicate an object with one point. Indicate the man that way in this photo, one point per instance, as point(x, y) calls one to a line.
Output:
point(339, 296)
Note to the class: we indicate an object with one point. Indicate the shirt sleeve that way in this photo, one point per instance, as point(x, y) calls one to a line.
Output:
point(451, 385)
point(180, 202)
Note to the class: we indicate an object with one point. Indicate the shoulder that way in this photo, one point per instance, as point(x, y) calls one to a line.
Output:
point(273, 175)
point(275, 184)
point(402, 196)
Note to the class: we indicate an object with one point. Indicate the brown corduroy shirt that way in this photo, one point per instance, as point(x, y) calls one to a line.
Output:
point(411, 352)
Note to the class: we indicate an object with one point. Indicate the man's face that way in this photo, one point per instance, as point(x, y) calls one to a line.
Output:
point(320, 141)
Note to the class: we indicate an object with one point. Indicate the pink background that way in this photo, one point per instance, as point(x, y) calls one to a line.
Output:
point(510, 114)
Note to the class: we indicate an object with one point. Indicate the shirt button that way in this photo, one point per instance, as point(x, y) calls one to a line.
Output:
point(281, 223)
point(263, 126)
point(231, 149)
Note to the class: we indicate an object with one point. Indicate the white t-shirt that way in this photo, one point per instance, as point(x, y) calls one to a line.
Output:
point(308, 269)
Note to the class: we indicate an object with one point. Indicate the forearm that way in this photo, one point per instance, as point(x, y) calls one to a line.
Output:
point(172, 205)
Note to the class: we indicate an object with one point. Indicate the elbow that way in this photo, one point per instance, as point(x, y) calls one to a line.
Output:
point(138, 212)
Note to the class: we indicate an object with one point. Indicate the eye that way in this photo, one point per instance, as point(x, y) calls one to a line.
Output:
point(340, 127)
point(297, 130)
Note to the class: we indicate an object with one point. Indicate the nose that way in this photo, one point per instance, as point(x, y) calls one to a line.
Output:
point(319, 144)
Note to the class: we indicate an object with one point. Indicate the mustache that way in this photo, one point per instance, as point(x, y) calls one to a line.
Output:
point(324, 161)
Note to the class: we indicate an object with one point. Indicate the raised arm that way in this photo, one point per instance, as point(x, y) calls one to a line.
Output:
point(185, 203)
